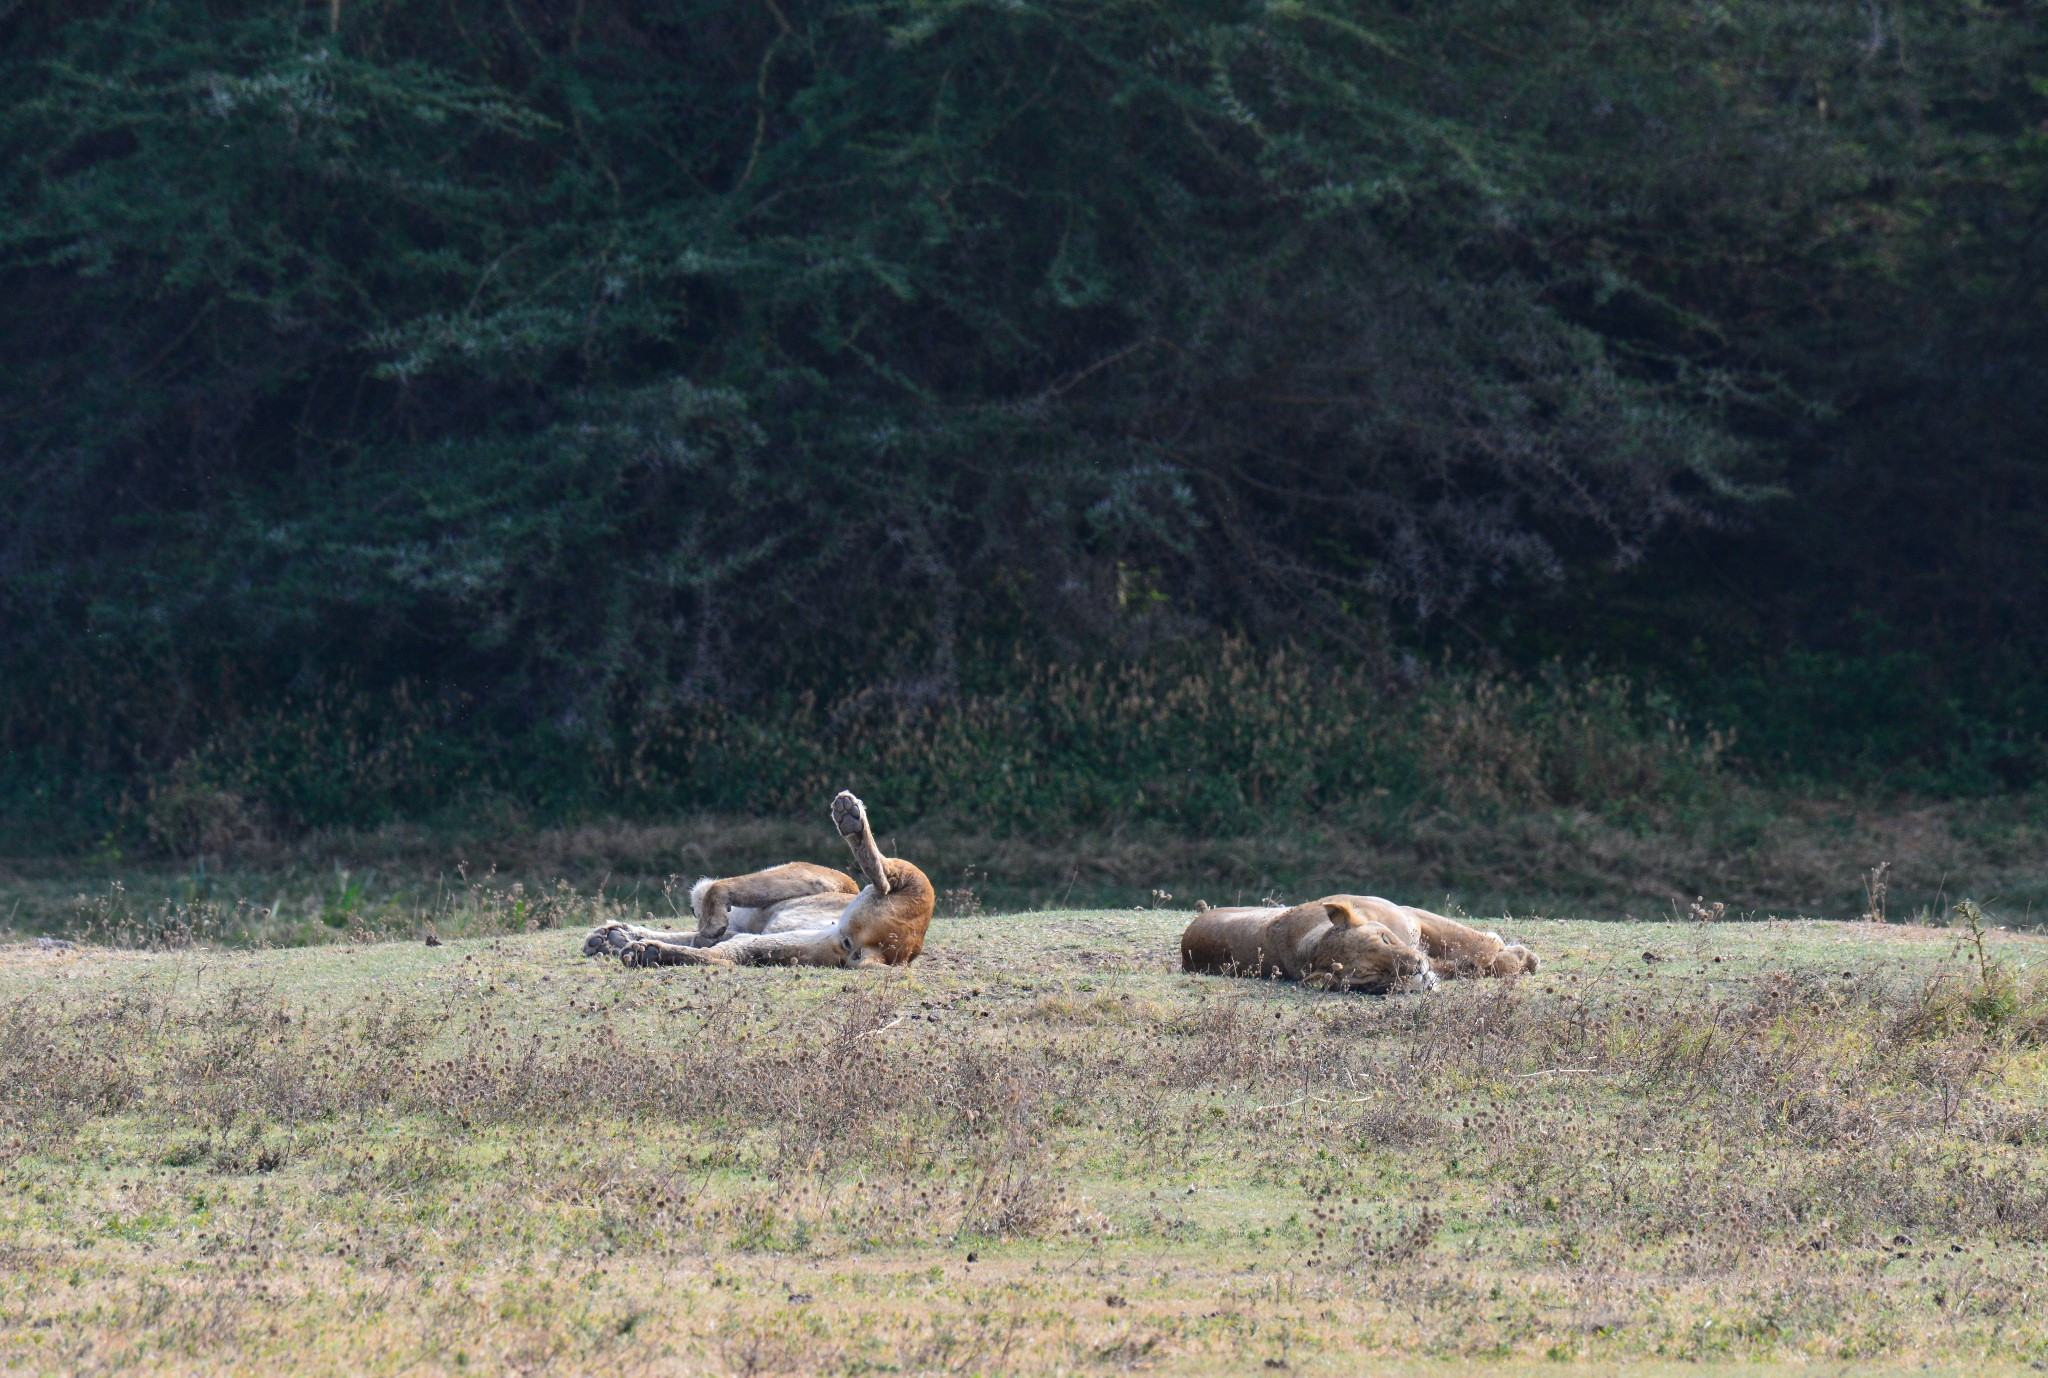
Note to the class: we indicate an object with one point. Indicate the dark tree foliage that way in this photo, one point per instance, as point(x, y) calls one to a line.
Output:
point(560, 364)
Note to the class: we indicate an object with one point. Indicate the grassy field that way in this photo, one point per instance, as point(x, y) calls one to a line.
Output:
point(1039, 1150)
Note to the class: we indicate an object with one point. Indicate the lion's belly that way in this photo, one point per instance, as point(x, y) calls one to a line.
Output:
point(798, 914)
point(1231, 941)
point(803, 913)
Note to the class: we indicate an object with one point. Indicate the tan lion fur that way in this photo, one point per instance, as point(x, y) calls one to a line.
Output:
point(1325, 944)
point(790, 898)
point(794, 915)
point(1455, 949)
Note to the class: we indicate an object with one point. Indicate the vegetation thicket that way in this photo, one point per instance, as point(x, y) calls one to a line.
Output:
point(1179, 412)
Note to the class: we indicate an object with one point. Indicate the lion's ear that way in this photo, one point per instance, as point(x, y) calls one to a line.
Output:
point(1342, 914)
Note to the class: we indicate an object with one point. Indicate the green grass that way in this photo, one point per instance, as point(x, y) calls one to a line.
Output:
point(494, 1155)
point(1783, 856)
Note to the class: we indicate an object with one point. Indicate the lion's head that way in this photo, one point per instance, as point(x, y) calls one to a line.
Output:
point(1359, 954)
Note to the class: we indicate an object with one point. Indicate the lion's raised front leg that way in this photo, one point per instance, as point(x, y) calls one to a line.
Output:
point(850, 816)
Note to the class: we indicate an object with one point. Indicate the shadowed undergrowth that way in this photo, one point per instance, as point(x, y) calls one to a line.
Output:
point(1799, 857)
point(1222, 739)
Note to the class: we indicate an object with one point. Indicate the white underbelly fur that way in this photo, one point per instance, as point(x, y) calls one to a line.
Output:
point(804, 913)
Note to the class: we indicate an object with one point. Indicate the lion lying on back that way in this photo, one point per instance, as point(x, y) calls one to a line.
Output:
point(1347, 942)
point(794, 915)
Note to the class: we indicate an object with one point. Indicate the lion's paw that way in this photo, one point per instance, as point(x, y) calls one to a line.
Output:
point(653, 952)
point(607, 938)
point(849, 815)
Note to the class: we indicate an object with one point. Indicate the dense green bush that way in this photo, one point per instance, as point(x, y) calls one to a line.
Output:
point(1229, 742)
point(555, 377)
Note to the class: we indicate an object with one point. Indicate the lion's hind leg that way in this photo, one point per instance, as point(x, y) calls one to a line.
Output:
point(806, 947)
point(714, 901)
point(813, 947)
point(612, 937)
point(652, 952)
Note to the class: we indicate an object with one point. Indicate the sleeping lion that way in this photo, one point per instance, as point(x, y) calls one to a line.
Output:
point(793, 915)
point(1324, 944)
point(1348, 942)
